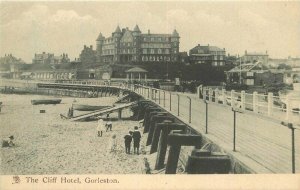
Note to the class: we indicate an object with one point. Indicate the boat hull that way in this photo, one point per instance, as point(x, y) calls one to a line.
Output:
point(46, 101)
point(80, 107)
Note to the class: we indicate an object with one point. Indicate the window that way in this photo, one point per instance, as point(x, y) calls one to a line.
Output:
point(250, 74)
point(143, 58)
point(144, 51)
point(159, 51)
point(152, 39)
point(146, 58)
point(152, 51)
point(167, 51)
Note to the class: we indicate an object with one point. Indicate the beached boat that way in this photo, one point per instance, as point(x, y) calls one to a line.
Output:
point(45, 101)
point(81, 107)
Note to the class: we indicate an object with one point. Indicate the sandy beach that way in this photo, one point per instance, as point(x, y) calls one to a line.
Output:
point(47, 144)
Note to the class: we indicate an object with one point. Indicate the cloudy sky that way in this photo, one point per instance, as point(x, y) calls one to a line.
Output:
point(57, 27)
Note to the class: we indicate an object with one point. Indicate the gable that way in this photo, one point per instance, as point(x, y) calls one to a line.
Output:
point(127, 37)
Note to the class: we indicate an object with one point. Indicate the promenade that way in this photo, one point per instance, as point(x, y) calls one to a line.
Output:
point(262, 143)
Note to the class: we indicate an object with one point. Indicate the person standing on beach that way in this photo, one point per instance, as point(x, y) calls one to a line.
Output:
point(108, 125)
point(100, 127)
point(112, 147)
point(128, 139)
point(136, 135)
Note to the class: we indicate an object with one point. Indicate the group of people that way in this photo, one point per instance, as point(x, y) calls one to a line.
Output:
point(136, 137)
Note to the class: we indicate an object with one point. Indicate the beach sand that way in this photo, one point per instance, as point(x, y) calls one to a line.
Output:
point(47, 144)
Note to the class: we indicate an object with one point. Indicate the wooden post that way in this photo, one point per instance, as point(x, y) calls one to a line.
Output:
point(255, 110)
point(156, 119)
point(164, 99)
point(210, 92)
point(178, 104)
point(173, 159)
point(270, 103)
point(159, 97)
point(243, 100)
point(156, 133)
point(148, 115)
point(176, 140)
point(232, 98)
point(190, 109)
point(163, 142)
point(170, 101)
point(224, 96)
point(288, 108)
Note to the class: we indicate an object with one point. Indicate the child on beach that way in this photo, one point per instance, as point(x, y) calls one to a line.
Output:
point(108, 125)
point(112, 147)
point(136, 135)
point(128, 139)
point(100, 127)
point(8, 142)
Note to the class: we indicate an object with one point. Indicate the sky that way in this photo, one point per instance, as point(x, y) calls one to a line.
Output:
point(27, 28)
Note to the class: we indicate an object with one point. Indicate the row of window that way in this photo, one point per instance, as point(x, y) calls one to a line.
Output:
point(157, 58)
point(157, 51)
point(156, 45)
point(157, 39)
point(144, 51)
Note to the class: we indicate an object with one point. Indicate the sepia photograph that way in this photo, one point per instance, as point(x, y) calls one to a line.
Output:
point(93, 90)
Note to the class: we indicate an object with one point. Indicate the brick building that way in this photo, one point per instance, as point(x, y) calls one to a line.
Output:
point(88, 55)
point(253, 57)
point(132, 46)
point(50, 58)
point(207, 54)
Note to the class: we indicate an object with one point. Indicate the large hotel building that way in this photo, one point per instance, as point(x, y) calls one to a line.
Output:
point(132, 46)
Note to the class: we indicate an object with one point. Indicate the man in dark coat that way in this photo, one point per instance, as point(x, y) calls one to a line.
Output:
point(128, 139)
point(136, 140)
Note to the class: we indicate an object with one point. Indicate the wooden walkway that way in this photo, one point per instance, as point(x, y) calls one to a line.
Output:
point(262, 144)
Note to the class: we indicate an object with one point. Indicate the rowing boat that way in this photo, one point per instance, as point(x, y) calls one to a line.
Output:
point(81, 107)
point(45, 101)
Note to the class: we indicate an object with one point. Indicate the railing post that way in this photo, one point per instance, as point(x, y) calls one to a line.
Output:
point(178, 104)
point(270, 103)
point(210, 92)
point(243, 100)
point(170, 101)
point(204, 93)
point(190, 109)
point(206, 116)
point(148, 92)
point(164, 99)
point(216, 95)
point(224, 96)
point(288, 108)
point(231, 98)
point(199, 91)
point(234, 128)
point(159, 97)
point(255, 102)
